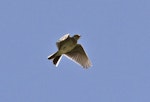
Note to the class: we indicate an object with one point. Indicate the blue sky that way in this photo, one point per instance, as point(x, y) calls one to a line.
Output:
point(115, 35)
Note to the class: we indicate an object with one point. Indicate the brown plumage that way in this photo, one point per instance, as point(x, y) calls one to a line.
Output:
point(68, 46)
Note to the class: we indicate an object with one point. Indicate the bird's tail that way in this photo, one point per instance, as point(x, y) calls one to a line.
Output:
point(56, 60)
point(55, 57)
point(52, 56)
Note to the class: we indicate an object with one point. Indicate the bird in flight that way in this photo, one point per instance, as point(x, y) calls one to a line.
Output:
point(69, 47)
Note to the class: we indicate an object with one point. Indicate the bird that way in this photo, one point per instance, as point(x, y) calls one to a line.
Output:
point(69, 47)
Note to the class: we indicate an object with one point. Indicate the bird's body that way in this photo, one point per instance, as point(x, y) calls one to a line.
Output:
point(68, 45)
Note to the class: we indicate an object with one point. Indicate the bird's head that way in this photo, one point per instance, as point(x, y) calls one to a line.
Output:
point(76, 36)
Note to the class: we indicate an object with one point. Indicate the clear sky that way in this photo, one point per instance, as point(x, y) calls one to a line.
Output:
point(115, 35)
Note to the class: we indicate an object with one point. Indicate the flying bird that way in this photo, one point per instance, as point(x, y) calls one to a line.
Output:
point(69, 47)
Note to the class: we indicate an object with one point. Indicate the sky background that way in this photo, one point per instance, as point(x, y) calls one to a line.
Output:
point(115, 35)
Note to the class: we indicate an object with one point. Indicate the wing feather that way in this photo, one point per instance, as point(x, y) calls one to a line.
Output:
point(60, 41)
point(79, 56)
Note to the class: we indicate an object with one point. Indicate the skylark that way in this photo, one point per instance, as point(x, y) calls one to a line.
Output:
point(68, 46)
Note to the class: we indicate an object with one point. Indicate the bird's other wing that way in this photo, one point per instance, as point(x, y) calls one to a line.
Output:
point(62, 39)
point(79, 56)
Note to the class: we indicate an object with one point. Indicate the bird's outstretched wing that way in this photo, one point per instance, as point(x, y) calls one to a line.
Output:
point(78, 55)
point(58, 43)
point(63, 37)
